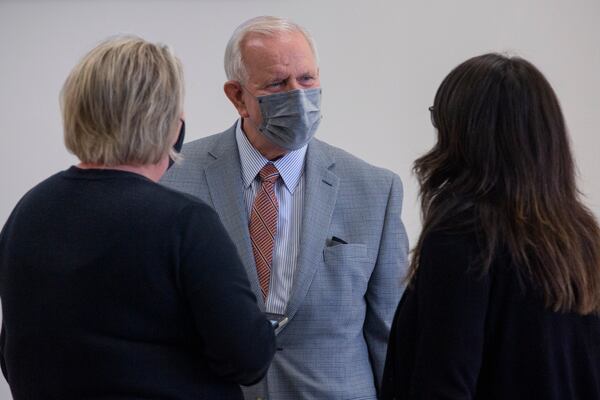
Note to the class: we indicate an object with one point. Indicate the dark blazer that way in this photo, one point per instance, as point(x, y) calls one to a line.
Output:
point(461, 334)
point(114, 287)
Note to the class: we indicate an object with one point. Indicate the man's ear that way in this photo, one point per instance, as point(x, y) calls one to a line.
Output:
point(234, 92)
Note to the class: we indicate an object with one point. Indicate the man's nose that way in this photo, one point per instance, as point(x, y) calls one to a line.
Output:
point(293, 84)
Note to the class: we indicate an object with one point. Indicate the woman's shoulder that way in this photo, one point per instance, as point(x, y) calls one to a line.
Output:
point(454, 250)
point(453, 235)
point(180, 198)
point(184, 204)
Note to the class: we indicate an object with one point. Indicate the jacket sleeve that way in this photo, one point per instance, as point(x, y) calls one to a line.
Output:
point(452, 295)
point(385, 287)
point(237, 340)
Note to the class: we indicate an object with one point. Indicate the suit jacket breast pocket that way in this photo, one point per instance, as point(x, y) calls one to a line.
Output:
point(341, 252)
point(347, 269)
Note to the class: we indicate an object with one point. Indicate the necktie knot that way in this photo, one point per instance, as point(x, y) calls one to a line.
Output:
point(269, 173)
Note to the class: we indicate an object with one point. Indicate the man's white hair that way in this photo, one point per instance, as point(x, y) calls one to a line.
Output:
point(235, 68)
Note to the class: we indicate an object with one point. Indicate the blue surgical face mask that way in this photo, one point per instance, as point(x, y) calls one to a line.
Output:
point(179, 143)
point(290, 119)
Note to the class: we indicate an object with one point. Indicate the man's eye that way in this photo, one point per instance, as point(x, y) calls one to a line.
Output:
point(275, 84)
point(306, 78)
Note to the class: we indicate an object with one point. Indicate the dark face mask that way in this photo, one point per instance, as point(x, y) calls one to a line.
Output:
point(179, 143)
point(290, 119)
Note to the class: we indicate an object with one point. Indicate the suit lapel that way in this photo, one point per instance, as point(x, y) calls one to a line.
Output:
point(319, 201)
point(225, 184)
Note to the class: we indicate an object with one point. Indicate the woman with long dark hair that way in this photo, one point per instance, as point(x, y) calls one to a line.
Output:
point(503, 300)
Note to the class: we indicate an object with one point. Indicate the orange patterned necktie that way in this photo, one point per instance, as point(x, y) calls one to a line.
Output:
point(263, 226)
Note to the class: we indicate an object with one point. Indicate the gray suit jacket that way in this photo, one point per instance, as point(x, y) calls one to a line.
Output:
point(344, 295)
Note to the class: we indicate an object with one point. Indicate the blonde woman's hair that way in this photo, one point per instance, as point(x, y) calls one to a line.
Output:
point(122, 102)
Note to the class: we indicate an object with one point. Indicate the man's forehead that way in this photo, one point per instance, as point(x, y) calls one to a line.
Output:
point(265, 52)
point(261, 40)
point(260, 45)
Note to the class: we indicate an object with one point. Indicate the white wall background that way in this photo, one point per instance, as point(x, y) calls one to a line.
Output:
point(381, 62)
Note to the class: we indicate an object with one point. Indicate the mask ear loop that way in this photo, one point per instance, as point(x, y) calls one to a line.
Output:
point(179, 143)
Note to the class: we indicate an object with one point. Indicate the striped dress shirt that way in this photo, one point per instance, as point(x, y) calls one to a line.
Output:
point(289, 190)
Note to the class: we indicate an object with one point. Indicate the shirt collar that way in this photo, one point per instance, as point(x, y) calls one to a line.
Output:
point(290, 166)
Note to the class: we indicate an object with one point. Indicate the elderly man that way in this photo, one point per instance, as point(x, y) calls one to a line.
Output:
point(319, 230)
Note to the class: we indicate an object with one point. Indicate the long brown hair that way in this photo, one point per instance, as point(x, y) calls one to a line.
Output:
point(503, 158)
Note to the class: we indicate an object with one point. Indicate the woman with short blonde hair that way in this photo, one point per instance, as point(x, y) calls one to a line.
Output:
point(113, 286)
